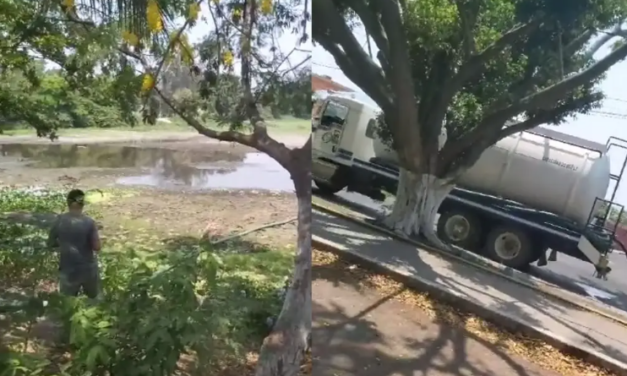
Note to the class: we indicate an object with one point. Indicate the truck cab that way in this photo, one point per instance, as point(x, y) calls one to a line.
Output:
point(339, 129)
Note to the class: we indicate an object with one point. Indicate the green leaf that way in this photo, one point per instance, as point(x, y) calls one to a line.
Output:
point(96, 355)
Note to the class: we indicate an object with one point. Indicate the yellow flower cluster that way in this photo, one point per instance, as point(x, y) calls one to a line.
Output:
point(68, 4)
point(194, 11)
point(130, 38)
point(186, 49)
point(266, 6)
point(153, 16)
point(227, 58)
point(148, 83)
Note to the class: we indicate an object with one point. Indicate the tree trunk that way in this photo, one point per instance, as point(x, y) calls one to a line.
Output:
point(418, 199)
point(283, 350)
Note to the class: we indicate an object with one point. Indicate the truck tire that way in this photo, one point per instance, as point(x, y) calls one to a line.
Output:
point(328, 189)
point(460, 228)
point(510, 246)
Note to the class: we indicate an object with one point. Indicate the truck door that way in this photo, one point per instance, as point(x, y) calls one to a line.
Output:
point(328, 129)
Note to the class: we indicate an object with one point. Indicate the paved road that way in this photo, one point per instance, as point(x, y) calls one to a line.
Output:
point(360, 332)
point(569, 273)
point(576, 275)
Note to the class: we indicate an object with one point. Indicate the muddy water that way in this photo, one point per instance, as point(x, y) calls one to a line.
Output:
point(161, 166)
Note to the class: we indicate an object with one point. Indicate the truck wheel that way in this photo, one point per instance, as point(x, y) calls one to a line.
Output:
point(509, 246)
point(460, 228)
point(328, 189)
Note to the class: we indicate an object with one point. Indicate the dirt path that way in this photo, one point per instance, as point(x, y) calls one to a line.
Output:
point(358, 331)
point(109, 136)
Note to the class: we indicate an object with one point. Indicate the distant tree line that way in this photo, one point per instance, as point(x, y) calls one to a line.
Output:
point(47, 98)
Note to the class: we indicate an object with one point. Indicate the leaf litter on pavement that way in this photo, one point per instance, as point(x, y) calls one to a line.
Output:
point(530, 349)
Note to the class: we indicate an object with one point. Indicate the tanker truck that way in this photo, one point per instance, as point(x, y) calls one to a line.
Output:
point(531, 192)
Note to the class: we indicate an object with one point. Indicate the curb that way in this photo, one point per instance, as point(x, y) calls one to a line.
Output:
point(501, 319)
point(495, 268)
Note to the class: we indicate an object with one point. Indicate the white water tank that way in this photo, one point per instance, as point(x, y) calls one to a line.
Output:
point(543, 169)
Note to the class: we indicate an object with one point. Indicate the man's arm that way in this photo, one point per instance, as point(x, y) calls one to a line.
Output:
point(95, 237)
point(53, 234)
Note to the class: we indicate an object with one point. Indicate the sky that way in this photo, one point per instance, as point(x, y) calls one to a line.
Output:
point(609, 120)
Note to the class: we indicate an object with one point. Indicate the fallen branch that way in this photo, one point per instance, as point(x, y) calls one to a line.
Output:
point(247, 232)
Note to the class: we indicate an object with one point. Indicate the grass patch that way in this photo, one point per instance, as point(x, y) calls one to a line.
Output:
point(285, 125)
point(170, 304)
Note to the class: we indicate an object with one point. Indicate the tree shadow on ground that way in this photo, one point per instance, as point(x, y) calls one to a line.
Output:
point(357, 331)
point(340, 232)
point(409, 259)
point(466, 281)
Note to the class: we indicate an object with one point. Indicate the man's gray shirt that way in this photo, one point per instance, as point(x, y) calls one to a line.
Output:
point(73, 234)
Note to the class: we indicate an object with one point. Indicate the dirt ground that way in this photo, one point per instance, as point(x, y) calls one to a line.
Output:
point(215, 214)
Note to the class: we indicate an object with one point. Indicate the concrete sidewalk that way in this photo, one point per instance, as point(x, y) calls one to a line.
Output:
point(360, 332)
point(604, 342)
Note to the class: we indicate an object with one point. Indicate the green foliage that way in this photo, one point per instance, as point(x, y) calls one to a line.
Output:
point(290, 94)
point(96, 85)
point(437, 44)
point(53, 104)
point(90, 85)
point(154, 307)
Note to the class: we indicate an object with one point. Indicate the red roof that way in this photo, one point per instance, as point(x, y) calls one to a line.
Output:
point(326, 83)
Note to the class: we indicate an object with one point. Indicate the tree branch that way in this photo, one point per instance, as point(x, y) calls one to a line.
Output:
point(337, 39)
point(368, 16)
point(261, 142)
point(548, 96)
point(456, 157)
point(604, 38)
point(468, 21)
point(475, 65)
point(403, 123)
point(543, 98)
point(531, 78)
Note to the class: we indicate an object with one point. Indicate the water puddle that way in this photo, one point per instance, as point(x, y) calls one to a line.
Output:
point(211, 167)
point(256, 171)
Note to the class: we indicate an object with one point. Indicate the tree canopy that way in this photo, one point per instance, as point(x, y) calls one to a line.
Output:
point(80, 63)
point(483, 69)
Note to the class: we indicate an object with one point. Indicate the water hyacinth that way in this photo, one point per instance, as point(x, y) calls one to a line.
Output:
point(31, 198)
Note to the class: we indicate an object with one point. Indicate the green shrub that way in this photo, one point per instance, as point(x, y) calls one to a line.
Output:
point(153, 309)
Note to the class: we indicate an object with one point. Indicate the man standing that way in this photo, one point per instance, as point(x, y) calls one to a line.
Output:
point(76, 236)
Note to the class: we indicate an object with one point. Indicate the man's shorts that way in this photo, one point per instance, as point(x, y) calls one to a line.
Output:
point(85, 278)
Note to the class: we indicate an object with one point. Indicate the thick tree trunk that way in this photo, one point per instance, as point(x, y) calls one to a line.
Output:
point(283, 350)
point(418, 199)
point(417, 202)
